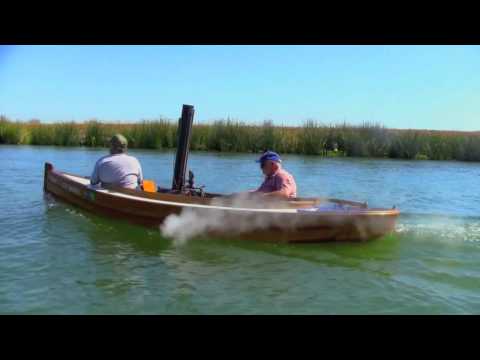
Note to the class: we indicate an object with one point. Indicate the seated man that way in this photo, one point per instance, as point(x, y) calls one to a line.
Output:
point(118, 168)
point(278, 182)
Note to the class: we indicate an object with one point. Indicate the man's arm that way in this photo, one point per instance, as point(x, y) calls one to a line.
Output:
point(279, 193)
point(140, 174)
point(95, 179)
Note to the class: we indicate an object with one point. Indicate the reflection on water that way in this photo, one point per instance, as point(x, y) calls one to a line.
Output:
point(55, 258)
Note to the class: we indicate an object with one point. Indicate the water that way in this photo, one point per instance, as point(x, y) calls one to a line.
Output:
point(56, 259)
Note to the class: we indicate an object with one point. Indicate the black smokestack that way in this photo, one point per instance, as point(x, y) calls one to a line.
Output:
point(183, 146)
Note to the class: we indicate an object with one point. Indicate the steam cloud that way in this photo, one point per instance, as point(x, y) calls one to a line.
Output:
point(192, 222)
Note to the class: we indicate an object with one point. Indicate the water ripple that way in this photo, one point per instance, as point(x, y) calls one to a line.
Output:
point(55, 258)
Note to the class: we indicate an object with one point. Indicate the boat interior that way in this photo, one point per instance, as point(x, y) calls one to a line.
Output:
point(207, 198)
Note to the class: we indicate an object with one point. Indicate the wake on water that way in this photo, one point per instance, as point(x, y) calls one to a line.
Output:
point(442, 228)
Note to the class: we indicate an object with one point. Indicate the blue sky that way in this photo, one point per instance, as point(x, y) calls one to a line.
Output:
point(434, 87)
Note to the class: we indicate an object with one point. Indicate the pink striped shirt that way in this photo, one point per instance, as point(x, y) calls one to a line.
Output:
point(281, 180)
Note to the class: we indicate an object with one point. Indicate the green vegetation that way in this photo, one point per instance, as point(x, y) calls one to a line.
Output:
point(11, 132)
point(313, 138)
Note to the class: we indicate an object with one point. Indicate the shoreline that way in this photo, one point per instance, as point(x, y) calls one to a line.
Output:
point(172, 150)
point(230, 136)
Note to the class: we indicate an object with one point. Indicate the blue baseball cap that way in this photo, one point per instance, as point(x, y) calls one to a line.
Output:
point(269, 155)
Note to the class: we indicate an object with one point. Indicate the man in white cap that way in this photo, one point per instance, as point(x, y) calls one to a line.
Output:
point(118, 168)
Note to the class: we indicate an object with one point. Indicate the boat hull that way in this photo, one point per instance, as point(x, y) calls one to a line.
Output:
point(275, 225)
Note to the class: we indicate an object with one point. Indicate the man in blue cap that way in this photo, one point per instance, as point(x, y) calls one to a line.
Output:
point(278, 182)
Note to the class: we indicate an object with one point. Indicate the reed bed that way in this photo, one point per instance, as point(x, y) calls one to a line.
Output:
point(227, 135)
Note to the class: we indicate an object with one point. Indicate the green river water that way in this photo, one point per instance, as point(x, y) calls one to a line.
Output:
point(57, 259)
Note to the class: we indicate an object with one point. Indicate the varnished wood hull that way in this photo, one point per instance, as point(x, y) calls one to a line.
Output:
point(286, 224)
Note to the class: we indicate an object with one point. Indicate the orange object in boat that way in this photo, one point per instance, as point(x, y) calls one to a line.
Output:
point(149, 186)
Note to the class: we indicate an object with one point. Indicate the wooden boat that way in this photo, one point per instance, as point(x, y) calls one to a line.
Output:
point(295, 220)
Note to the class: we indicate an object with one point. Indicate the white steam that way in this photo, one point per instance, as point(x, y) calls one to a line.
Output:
point(192, 222)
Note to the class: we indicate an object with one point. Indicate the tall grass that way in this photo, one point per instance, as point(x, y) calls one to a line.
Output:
point(11, 132)
point(66, 134)
point(152, 134)
point(313, 138)
point(41, 134)
point(95, 134)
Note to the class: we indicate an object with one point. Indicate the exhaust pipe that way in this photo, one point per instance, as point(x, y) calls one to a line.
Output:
point(183, 146)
